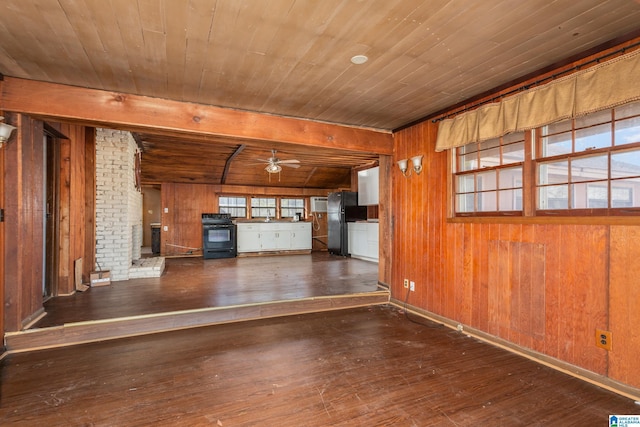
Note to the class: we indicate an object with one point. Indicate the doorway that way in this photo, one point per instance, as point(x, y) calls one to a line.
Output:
point(151, 217)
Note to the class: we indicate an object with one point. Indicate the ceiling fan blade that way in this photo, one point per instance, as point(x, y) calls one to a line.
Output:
point(264, 161)
point(288, 161)
point(290, 165)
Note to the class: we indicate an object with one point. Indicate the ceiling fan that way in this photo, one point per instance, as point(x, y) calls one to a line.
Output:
point(274, 164)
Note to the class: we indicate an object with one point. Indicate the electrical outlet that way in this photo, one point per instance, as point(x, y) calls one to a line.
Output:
point(412, 286)
point(603, 339)
point(406, 283)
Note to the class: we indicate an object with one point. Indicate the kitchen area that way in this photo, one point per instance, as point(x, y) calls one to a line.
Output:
point(312, 224)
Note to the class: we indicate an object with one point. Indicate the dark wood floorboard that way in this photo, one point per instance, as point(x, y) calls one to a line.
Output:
point(192, 283)
point(358, 367)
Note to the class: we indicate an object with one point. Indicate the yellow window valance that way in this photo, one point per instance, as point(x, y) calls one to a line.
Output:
point(600, 87)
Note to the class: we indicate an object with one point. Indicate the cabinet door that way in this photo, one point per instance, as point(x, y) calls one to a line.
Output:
point(301, 236)
point(268, 240)
point(248, 239)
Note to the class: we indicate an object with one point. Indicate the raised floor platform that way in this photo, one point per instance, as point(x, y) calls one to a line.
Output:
point(107, 329)
point(193, 292)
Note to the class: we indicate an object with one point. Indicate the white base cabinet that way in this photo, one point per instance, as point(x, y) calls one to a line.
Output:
point(363, 240)
point(274, 236)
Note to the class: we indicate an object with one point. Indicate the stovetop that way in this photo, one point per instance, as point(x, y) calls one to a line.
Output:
point(216, 218)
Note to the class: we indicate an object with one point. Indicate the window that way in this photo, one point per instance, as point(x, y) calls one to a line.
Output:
point(262, 207)
point(589, 165)
point(290, 207)
point(591, 162)
point(236, 206)
point(489, 177)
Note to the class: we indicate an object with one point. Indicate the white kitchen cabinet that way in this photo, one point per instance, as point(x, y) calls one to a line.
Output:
point(363, 240)
point(273, 236)
point(248, 238)
point(301, 236)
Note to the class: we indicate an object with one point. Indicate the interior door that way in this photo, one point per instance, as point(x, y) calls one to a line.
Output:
point(51, 220)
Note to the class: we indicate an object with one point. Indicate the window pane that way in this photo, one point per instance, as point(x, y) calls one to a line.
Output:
point(627, 131)
point(486, 181)
point(513, 153)
point(464, 203)
point(289, 207)
point(510, 178)
point(596, 118)
point(625, 164)
point(624, 193)
point(553, 173)
point(556, 145)
point(553, 197)
point(469, 148)
point(593, 137)
point(465, 184)
point(627, 110)
point(510, 200)
point(559, 127)
point(468, 162)
point(590, 195)
point(589, 168)
point(487, 202)
point(490, 157)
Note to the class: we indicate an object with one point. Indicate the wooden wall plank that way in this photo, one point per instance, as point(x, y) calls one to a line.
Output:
point(2, 245)
point(23, 204)
point(624, 305)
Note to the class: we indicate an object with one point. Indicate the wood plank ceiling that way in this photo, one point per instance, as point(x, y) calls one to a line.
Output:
point(292, 58)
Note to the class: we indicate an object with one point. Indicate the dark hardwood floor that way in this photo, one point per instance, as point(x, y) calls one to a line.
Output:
point(193, 283)
point(357, 367)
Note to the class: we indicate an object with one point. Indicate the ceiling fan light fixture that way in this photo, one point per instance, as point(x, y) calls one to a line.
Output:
point(273, 168)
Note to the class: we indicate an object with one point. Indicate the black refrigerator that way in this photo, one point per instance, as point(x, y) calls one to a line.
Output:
point(342, 207)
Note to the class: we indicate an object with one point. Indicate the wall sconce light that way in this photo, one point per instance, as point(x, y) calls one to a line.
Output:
point(5, 131)
point(416, 161)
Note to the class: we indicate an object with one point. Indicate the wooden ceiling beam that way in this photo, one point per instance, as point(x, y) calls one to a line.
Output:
point(227, 164)
point(135, 112)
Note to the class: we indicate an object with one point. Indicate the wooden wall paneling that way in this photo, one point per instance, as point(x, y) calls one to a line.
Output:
point(186, 203)
point(65, 260)
point(591, 288)
point(480, 260)
point(89, 203)
point(550, 236)
point(624, 297)
point(78, 194)
point(166, 200)
point(23, 223)
point(73, 208)
point(3, 180)
point(463, 306)
point(385, 209)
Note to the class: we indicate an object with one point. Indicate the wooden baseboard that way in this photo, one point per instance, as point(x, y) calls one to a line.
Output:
point(557, 364)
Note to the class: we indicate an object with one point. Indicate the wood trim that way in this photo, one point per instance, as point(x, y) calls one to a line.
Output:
point(559, 365)
point(100, 330)
point(548, 220)
point(143, 113)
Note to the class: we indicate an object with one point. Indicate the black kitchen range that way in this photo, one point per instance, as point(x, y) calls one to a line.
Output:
point(218, 236)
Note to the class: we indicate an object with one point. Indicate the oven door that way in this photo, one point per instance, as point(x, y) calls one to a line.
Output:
point(219, 240)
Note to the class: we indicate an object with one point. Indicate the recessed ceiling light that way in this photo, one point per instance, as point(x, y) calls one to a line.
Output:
point(359, 59)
